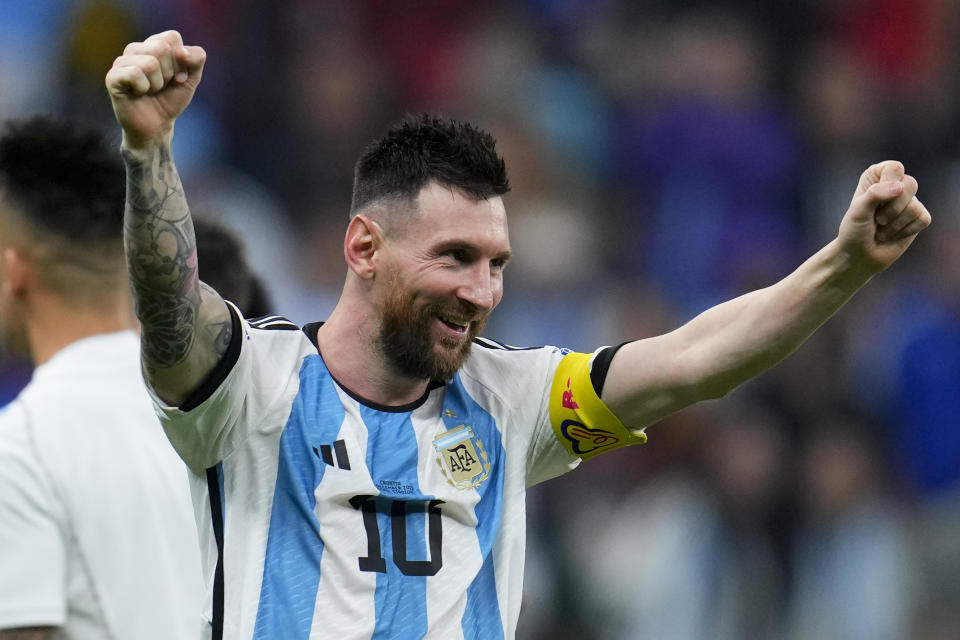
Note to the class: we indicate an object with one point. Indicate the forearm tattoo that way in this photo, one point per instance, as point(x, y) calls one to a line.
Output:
point(161, 258)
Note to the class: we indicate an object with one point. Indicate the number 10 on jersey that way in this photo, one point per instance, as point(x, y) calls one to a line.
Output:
point(398, 510)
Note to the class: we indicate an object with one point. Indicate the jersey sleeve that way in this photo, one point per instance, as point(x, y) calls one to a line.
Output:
point(238, 397)
point(551, 404)
point(574, 424)
point(32, 544)
point(581, 421)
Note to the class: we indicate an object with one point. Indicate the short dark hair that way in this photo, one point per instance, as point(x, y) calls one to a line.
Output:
point(64, 179)
point(425, 148)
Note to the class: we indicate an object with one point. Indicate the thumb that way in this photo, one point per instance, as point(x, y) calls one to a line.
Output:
point(888, 170)
point(891, 170)
point(864, 205)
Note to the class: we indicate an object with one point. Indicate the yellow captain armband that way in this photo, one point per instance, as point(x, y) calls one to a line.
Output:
point(585, 425)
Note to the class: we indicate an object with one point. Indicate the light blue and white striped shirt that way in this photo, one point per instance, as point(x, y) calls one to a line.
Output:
point(339, 518)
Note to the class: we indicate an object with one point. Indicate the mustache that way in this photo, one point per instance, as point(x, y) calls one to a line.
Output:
point(463, 313)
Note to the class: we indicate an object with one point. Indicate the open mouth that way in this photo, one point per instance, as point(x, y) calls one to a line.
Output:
point(459, 326)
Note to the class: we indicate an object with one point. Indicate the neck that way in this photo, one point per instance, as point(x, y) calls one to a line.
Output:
point(347, 341)
point(53, 324)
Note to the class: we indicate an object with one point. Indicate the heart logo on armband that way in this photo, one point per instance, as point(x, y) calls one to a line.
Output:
point(584, 439)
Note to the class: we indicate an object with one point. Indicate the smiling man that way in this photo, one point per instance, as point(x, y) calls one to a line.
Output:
point(365, 477)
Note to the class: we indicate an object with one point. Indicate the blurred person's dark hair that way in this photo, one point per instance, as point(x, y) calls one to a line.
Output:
point(63, 178)
point(63, 187)
point(224, 267)
point(424, 148)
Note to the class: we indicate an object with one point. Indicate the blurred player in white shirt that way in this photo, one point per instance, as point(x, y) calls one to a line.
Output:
point(97, 535)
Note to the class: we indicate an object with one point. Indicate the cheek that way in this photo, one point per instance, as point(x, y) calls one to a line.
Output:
point(435, 283)
point(496, 288)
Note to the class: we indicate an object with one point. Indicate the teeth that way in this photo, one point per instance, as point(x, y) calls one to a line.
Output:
point(456, 323)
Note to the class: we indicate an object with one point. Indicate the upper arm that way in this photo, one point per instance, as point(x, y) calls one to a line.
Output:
point(652, 378)
point(249, 392)
point(185, 343)
point(31, 633)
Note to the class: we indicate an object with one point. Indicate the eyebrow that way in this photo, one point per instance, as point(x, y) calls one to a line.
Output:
point(471, 248)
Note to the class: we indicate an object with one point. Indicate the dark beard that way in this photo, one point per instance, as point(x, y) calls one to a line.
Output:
point(408, 344)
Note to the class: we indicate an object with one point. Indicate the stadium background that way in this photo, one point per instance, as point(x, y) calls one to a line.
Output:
point(665, 155)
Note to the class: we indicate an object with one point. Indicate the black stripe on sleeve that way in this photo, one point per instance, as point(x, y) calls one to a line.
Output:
point(493, 344)
point(223, 368)
point(273, 322)
point(601, 365)
point(216, 513)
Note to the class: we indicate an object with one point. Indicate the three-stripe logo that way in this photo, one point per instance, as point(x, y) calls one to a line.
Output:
point(337, 450)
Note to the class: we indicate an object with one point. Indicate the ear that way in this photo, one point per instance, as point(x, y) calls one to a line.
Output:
point(18, 271)
point(360, 246)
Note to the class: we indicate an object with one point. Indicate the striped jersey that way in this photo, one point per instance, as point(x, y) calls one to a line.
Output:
point(325, 515)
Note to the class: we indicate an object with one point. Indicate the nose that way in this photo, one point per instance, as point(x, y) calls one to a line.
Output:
point(481, 289)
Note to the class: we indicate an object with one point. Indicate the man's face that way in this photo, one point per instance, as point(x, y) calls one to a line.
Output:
point(443, 275)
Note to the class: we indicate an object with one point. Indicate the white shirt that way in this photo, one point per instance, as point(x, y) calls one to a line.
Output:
point(97, 535)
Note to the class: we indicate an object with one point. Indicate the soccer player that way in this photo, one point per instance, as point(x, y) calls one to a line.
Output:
point(97, 534)
point(366, 475)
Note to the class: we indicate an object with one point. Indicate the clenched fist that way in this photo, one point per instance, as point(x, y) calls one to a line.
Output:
point(151, 84)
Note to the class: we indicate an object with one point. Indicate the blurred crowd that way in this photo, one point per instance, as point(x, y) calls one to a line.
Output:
point(665, 155)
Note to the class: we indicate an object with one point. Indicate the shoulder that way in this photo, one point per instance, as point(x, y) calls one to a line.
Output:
point(20, 471)
point(274, 339)
point(511, 370)
point(13, 433)
point(486, 351)
point(271, 323)
point(272, 343)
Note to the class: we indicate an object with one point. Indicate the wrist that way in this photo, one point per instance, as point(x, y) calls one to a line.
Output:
point(146, 144)
point(849, 268)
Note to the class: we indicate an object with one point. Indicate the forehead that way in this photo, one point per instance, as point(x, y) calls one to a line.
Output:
point(446, 214)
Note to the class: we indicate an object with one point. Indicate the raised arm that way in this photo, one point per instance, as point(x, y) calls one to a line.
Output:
point(734, 341)
point(185, 325)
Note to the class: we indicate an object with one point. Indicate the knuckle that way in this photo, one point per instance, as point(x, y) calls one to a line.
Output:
point(149, 64)
point(160, 47)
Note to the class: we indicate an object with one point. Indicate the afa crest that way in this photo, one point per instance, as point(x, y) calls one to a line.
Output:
point(462, 458)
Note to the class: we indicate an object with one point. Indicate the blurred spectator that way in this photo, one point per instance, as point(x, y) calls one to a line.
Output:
point(853, 562)
point(693, 555)
point(95, 31)
point(712, 163)
point(225, 267)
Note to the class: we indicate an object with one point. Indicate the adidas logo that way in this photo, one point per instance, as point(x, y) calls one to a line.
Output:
point(338, 449)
